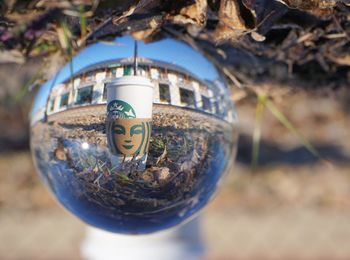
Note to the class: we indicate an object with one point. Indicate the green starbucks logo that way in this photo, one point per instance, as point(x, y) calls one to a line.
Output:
point(131, 137)
point(120, 109)
point(126, 134)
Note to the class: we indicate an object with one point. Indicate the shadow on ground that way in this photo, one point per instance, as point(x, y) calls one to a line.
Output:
point(271, 153)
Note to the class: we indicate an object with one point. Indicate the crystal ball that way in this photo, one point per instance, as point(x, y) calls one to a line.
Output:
point(134, 137)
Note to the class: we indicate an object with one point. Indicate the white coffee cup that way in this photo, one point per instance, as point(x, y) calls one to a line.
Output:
point(129, 116)
point(137, 91)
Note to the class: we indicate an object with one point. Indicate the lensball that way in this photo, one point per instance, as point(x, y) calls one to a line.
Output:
point(134, 137)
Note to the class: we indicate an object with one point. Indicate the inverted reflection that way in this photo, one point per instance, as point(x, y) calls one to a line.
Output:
point(128, 161)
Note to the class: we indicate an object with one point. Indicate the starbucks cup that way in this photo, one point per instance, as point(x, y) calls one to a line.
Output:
point(129, 119)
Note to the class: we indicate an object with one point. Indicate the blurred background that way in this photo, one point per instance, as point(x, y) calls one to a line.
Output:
point(295, 205)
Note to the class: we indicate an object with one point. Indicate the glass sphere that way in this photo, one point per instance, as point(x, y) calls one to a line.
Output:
point(133, 137)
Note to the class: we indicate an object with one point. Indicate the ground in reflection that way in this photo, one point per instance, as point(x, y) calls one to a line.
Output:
point(187, 156)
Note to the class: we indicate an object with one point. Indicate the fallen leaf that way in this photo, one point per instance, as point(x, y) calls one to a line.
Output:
point(342, 60)
point(257, 37)
point(194, 14)
point(310, 4)
point(231, 24)
point(144, 34)
point(265, 13)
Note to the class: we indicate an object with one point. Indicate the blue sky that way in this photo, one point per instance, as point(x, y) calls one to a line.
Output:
point(168, 50)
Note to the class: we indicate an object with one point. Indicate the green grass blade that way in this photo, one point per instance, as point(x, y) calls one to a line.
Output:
point(287, 124)
point(260, 108)
point(82, 18)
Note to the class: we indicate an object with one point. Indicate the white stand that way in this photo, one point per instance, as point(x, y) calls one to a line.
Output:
point(183, 243)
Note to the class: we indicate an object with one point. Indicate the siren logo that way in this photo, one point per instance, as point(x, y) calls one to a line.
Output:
point(126, 134)
point(120, 109)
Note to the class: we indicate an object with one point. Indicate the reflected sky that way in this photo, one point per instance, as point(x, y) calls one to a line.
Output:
point(167, 50)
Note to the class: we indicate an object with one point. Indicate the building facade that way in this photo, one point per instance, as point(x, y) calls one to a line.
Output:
point(173, 85)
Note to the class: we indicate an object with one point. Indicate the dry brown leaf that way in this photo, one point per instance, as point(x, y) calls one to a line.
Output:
point(126, 13)
point(194, 14)
point(343, 60)
point(62, 3)
point(310, 4)
point(257, 36)
point(24, 18)
point(231, 24)
point(144, 34)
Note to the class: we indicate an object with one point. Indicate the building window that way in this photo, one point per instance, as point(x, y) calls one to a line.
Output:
point(142, 70)
point(89, 76)
point(128, 70)
point(217, 108)
point(64, 100)
point(206, 103)
point(119, 72)
point(104, 92)
point(84, 95)
point(164, 73)
point(52, 105)
point(164, 93)
point(180, 78)
point(187, 97)
point(154, 73)
point(114, 73)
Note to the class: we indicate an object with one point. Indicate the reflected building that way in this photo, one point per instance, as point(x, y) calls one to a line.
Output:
point(190, 141)
point(173, 85)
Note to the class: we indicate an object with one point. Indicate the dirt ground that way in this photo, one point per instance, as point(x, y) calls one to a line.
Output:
point(295, 206)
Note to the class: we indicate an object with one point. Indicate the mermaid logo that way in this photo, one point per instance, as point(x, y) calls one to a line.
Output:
point(126, 134)
point(120, 109)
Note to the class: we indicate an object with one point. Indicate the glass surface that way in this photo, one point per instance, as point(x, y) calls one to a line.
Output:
point(84, 95)
point(164, 93)
point(134, 167)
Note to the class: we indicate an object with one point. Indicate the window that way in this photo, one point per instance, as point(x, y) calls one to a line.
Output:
point(206, 104)
point(84, 95)
point(142, 70)
point(180, 78)
point(163, 74)
point(64, 100)
point(164, 93)
point(104, 92)
point(187, 97)
point(217, 108)
point(154, 73)
point(52, 105)
point(89, 76)
point(119, 72)
point(114, 73)
point(128, 70)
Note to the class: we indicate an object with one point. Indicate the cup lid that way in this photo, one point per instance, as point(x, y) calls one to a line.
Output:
point(131, 80)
